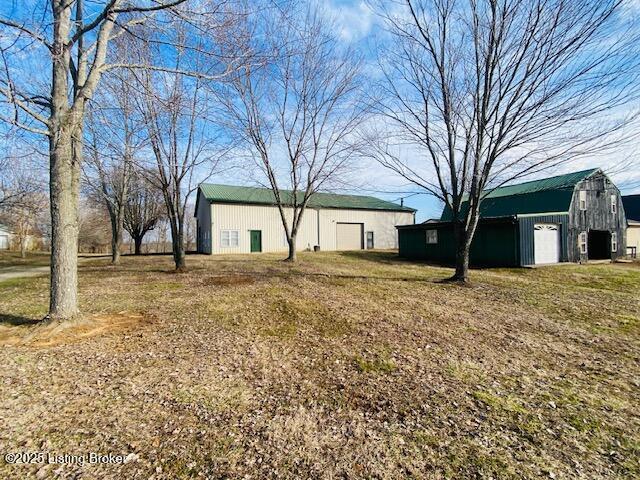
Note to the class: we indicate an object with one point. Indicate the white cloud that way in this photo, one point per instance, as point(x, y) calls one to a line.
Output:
point(354, 20)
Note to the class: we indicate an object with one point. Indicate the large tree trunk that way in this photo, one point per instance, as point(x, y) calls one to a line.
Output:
point(116, 240)
point(64, 191)
point(463, 235)
point(64, 176)
point(292, 249)
point(138, 245)
point(462, 260)
point(177, 243)
point(116, 234)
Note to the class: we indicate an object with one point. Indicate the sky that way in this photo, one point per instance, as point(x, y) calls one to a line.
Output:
point(358, 26)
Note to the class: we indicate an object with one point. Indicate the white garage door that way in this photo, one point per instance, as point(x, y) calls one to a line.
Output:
point(546, 243)
point(4, 242)
point(349, 236)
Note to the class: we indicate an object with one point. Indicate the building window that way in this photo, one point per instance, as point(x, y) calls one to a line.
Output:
point(229, 238)
point(432, 236)
point(369, 240)
point(582, 242)
point(583, 199)
point(614, 242)
point(614, 204)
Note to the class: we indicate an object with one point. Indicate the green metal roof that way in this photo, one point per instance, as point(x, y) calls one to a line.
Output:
point(265, 196)
point(551, 194)
point(631, 205)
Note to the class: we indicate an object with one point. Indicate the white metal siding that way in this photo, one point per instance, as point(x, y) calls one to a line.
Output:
point(349, 236)
point(381, 223)
point(4, 242)
point(633, 236)
point(267, 219)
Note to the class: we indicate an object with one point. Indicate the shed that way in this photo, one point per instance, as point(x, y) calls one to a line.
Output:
point(566, 218)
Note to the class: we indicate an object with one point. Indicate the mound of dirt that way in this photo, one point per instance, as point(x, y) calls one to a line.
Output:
point(52, 333)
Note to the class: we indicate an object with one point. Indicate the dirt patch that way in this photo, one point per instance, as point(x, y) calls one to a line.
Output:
point(48, 334)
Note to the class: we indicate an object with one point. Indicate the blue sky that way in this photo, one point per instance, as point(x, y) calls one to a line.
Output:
point(357, 26)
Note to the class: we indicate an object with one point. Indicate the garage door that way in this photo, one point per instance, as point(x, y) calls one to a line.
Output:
point(546, 243)
point(349, 236)
point(4, 242)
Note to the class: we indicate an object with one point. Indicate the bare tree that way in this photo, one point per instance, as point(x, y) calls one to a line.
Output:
point(74, 41)
point(143, 210)
point(114, 135)
point(297, 113)
point(22, 216)
point(22, 197)
point(20, 179)
point(176, 112)
point(481, 92)
point(94, 231)
point(190, 228)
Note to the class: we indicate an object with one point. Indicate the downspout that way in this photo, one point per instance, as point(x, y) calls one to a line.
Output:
point(318, 228)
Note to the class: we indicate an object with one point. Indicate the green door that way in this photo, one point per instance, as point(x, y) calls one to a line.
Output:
point(256, 240)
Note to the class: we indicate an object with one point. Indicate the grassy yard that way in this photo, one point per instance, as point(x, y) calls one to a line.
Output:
point(12, 260)
point(352, 365)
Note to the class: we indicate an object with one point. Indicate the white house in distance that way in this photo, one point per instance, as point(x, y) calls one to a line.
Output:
point(234, 219)
point(5, 237)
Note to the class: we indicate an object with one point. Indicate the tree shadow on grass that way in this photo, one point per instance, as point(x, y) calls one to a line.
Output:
point(380, 256)
point(17, 321)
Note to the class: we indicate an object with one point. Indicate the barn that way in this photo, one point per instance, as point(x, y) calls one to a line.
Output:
point(235, 219)
point(632, 211)
point(567, 218)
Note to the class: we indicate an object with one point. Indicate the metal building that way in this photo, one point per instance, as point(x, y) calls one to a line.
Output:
point(632, 211)
point(567, 218)
point(234, 219)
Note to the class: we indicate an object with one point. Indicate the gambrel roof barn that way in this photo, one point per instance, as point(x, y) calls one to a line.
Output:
point(566, 218)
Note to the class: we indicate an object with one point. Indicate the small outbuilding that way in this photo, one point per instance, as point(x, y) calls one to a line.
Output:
point(567, 218)
point(632, 211)
point(234, 219)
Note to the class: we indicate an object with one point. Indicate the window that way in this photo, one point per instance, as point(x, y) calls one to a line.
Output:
point(614, 204)
point(229, 238)
point(369, 240)
point(582, 242)
point(614, 242)
point(583, 199)
point(432, 236)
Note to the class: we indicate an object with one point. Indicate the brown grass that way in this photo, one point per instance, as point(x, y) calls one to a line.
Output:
point(353, 365)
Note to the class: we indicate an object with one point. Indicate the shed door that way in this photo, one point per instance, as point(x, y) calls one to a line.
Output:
point(546, 243)
point(349, 236)
point(4, 242)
